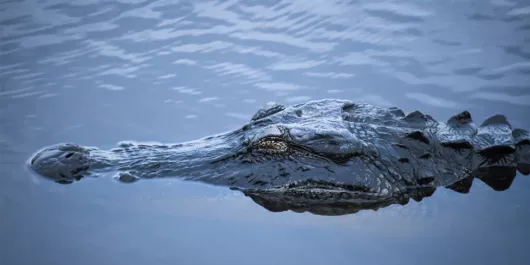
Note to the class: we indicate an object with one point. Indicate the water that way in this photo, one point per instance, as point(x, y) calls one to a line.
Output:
point(99, 72)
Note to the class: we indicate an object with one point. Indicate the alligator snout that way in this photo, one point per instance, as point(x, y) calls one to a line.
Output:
point(63, 163)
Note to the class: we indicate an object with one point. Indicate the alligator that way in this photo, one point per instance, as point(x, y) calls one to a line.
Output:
point(327, 157)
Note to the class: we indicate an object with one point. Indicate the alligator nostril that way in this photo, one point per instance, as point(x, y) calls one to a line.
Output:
point(69, 155)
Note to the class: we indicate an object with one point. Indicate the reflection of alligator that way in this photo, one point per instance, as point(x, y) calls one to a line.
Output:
point(326, 157)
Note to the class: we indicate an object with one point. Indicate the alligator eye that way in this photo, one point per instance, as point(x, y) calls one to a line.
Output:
point(271, 145)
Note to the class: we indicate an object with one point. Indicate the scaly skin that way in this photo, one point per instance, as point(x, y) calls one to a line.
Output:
point(326, 157)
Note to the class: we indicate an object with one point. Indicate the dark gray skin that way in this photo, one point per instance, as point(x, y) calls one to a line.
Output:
point(326, 157)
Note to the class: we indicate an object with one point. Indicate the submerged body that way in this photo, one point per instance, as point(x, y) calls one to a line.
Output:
point(327, 156)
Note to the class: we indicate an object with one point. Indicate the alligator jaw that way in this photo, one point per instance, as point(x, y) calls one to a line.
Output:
point(63, 163)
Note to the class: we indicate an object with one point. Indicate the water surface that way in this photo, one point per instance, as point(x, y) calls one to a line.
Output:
point(99, 72)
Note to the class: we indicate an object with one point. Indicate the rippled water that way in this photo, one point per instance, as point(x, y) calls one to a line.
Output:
point(98, 72)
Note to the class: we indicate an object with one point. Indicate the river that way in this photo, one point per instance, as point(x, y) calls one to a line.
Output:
point(98, 72)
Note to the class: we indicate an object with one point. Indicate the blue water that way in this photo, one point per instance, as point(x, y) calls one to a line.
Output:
point(99, 72)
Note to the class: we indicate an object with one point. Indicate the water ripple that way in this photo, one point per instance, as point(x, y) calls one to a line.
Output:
point(282, 47)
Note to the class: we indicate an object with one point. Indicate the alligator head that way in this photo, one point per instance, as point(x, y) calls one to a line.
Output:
point(326, 157)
